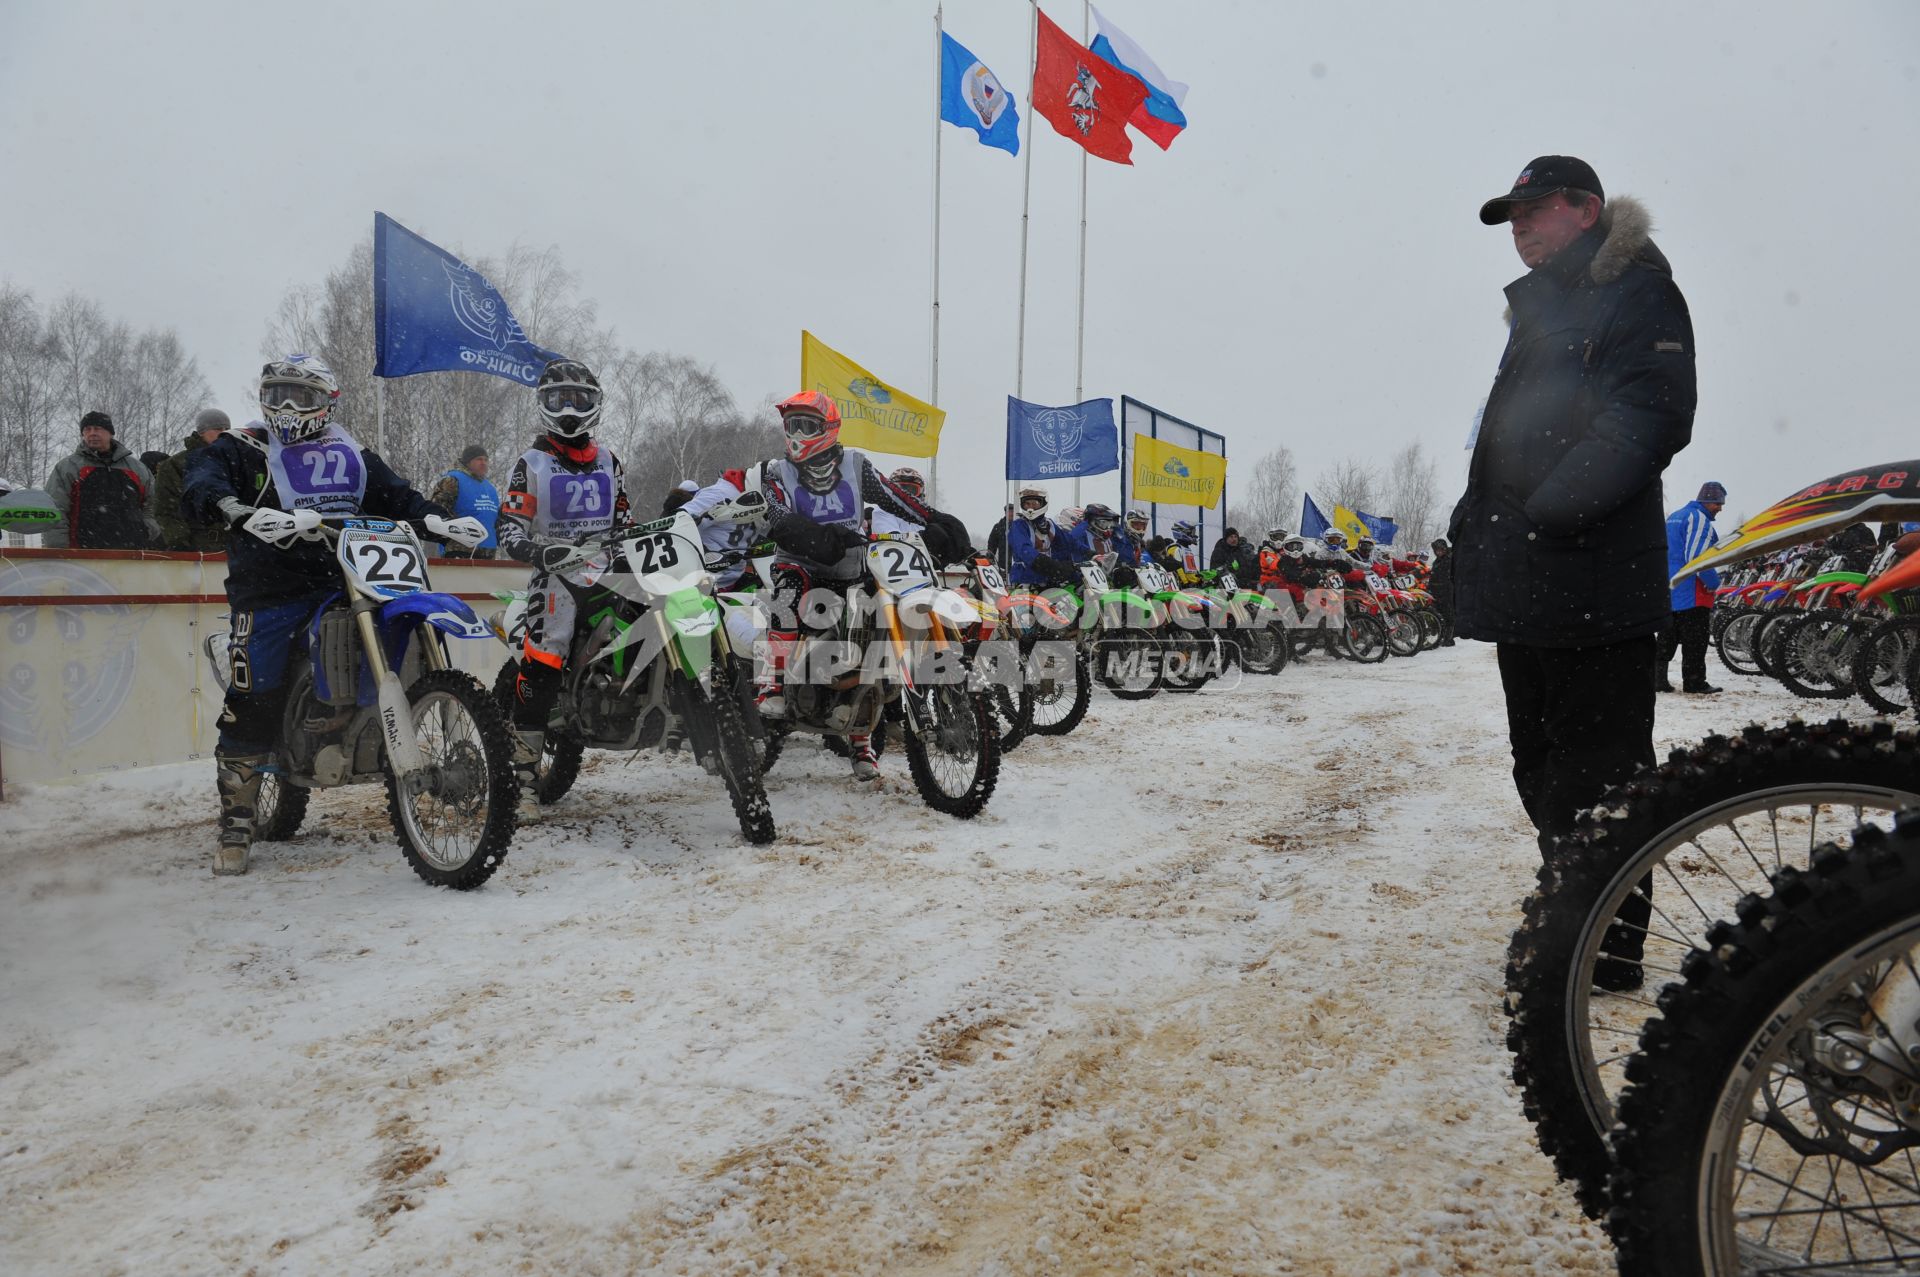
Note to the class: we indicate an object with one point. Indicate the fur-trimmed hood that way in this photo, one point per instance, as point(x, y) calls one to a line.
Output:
point(1628, 228)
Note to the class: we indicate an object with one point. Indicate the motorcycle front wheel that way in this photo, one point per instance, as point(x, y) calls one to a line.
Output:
point(1263, 648)
point(740, 768)
point(1363, 638)
point(1771, 1124)
point(1403, 633)
point(1131, 663)
point(1647, 872)
point(953, 748)
point(454, 830)
point(1059, 703)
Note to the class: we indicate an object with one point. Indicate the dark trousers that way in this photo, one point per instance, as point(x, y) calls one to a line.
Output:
point(1687, 630)
point(1580, 719)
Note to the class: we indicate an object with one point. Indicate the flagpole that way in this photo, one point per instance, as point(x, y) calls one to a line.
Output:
point(1026, 203)
point(1080, 324)
point(933, 376)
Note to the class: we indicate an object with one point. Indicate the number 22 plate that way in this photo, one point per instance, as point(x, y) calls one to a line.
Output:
point(385, 563)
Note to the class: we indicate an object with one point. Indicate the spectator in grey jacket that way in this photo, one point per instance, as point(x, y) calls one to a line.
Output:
point(103, 493)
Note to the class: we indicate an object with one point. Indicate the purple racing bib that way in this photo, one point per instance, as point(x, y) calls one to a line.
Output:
point(326, 475)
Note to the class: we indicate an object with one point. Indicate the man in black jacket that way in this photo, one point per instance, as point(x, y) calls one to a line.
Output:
point(1231, 553)
point(1440, 585)
point(1560, 539)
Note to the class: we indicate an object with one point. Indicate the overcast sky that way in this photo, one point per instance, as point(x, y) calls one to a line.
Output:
point(1304, 266)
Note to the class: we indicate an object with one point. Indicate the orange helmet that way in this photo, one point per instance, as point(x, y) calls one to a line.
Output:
point(811, 421)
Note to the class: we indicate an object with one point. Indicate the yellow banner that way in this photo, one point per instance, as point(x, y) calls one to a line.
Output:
point(1176, 476)
point(873, 414)
point(1350, 523)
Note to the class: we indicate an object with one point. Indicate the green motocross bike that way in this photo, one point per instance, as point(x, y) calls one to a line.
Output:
point(653, 665)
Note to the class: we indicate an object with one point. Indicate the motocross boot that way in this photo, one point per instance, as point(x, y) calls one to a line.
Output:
point(527, 747)
point(238, 779)
point(767, 696)
point(866, 764)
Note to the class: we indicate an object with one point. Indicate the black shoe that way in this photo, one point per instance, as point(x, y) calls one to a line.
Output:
point(1663, 686)
point(1699, 689)
point(1617, 975)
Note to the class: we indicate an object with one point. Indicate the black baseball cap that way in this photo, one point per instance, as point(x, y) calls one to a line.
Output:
point(1541, 177)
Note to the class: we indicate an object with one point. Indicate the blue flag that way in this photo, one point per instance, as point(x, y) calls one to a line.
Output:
point(1061, 443)
point(434, 313)
point(972, 97)
point(1312, 522)
point(1384, 529)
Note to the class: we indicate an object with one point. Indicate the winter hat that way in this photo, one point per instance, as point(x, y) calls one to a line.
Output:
point(97, 418)
point(471, 453)
point(688, 486)
point(1712, 493)
point(211, 419)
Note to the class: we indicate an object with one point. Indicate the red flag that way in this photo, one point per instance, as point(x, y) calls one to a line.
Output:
point(1086, 98)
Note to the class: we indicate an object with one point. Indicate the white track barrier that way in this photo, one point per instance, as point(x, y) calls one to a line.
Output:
point(102, 655)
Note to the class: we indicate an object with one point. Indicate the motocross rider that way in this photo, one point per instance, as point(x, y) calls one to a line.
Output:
point(817, 493)
point(1031, 543)
point(564, 487)
point(269, 486)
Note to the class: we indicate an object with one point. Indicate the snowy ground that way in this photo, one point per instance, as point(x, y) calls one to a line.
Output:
point(1212, 987)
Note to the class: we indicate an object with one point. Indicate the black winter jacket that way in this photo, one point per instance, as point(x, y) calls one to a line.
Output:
point(1560, 539)
point(258, 574)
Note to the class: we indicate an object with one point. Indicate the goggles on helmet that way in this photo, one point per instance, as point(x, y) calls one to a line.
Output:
point(807, 425)
point(295, 395)
point(569, 399)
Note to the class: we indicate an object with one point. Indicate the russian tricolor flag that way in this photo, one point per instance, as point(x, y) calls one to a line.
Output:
point(1160, 117)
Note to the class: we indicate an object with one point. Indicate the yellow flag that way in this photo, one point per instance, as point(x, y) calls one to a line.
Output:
point(1176, 476)
point(1350, 523)
point(873, 414)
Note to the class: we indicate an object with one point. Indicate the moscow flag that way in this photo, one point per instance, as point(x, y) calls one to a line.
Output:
point(1086, 98)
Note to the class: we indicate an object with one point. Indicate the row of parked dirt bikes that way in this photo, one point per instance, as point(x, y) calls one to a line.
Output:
point(1824, 631)
point(1713, 995)
point(947, 660)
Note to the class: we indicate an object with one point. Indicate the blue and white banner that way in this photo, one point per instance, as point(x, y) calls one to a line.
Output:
point(1313, 521)
point(1061, 443)
point(972, 97)
point(434, 313)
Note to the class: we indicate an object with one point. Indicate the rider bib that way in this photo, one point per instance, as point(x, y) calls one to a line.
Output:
point(325, 474)
point(570, 503)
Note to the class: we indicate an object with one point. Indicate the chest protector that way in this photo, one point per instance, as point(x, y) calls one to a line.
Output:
point(839, 506)
point(570, 503)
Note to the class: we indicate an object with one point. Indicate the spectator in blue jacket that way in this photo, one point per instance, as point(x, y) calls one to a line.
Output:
point(469, 491)
point(1690, 534)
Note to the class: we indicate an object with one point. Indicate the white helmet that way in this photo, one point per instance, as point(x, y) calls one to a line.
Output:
point(1070, 517)
point(297, 397)
point(568, 396)
point(1382, 554)
point(1031, 494)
